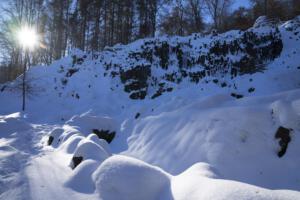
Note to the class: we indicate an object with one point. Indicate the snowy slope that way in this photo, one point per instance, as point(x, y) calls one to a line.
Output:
point(194, 118)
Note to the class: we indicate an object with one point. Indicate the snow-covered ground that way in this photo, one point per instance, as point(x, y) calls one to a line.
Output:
point(194, 142)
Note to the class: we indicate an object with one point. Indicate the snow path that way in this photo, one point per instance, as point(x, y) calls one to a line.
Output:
point(47, 175)
point(16, 153)
point(29, 170)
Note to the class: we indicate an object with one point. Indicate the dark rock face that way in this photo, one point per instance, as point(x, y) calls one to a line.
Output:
point(255, 48)
point(137, 115)
point(196, 76)
point(76, 161)
point(78, 60)
point(238, 96)
point(207, 59)
point(223, 84)
point(71, 72)
point(64, 81)
point(50, 140)
point(250, 90)
point(162, 51)
point(283, 134)
point(135, 81)
point(138, 95)
point(196, 58)
point(105, 134)
point(3, 88)
point(162, 89)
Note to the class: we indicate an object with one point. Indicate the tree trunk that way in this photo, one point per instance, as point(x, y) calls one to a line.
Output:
point(26, 61)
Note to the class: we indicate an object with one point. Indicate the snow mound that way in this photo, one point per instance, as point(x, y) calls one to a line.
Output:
point(99, 141)
point(60, 136)
point(12, 123)
point(121, 177)
point(285, 114)
point(67, 133)
point(296, 107)
point(88, 149)
point(195, 183)
point(81, 178)
point(221, 132)
point(86, 123)
point(54, 135)
point(202, 169)
point(70, 145)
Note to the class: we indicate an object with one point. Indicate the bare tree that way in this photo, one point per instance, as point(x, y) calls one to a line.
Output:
point(194, 11)
point(218, 10)
point(296, 7)
point(185, 18)
point(273, 9)
point(24, 85)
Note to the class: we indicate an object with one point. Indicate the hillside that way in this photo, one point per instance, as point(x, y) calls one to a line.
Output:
point(199, 117)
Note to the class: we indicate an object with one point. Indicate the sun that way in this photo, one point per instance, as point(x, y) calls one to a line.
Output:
point(27, 37)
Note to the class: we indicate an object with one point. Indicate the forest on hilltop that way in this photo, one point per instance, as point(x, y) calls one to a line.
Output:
point(90, 25)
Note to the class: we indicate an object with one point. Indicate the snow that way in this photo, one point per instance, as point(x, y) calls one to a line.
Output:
point(87, 122)
point(194, 185)
point(219, 132)
point(12, 123)
point(195, 142)
point(83, 174)
point(90, 150)
point(120, 177)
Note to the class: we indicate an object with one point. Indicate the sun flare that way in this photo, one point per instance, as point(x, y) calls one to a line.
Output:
point(28, 38)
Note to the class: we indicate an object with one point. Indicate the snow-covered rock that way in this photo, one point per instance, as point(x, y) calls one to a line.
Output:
point(81, 178)
point(86, 123)
point(99, 141)
point(54, 137)
point(70, 145)
point(87, 149)
point(121, 177)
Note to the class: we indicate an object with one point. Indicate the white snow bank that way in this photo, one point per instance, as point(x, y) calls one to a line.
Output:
point(88, 149)
point(70, 145)
point(121, 177)
point(236, 137)
point(12, 123)
point(99, 141)
point(86, 122)
point(81, 178)
point(55, 134)
point(195, 183)
point(60, 135)
point(285, 114)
